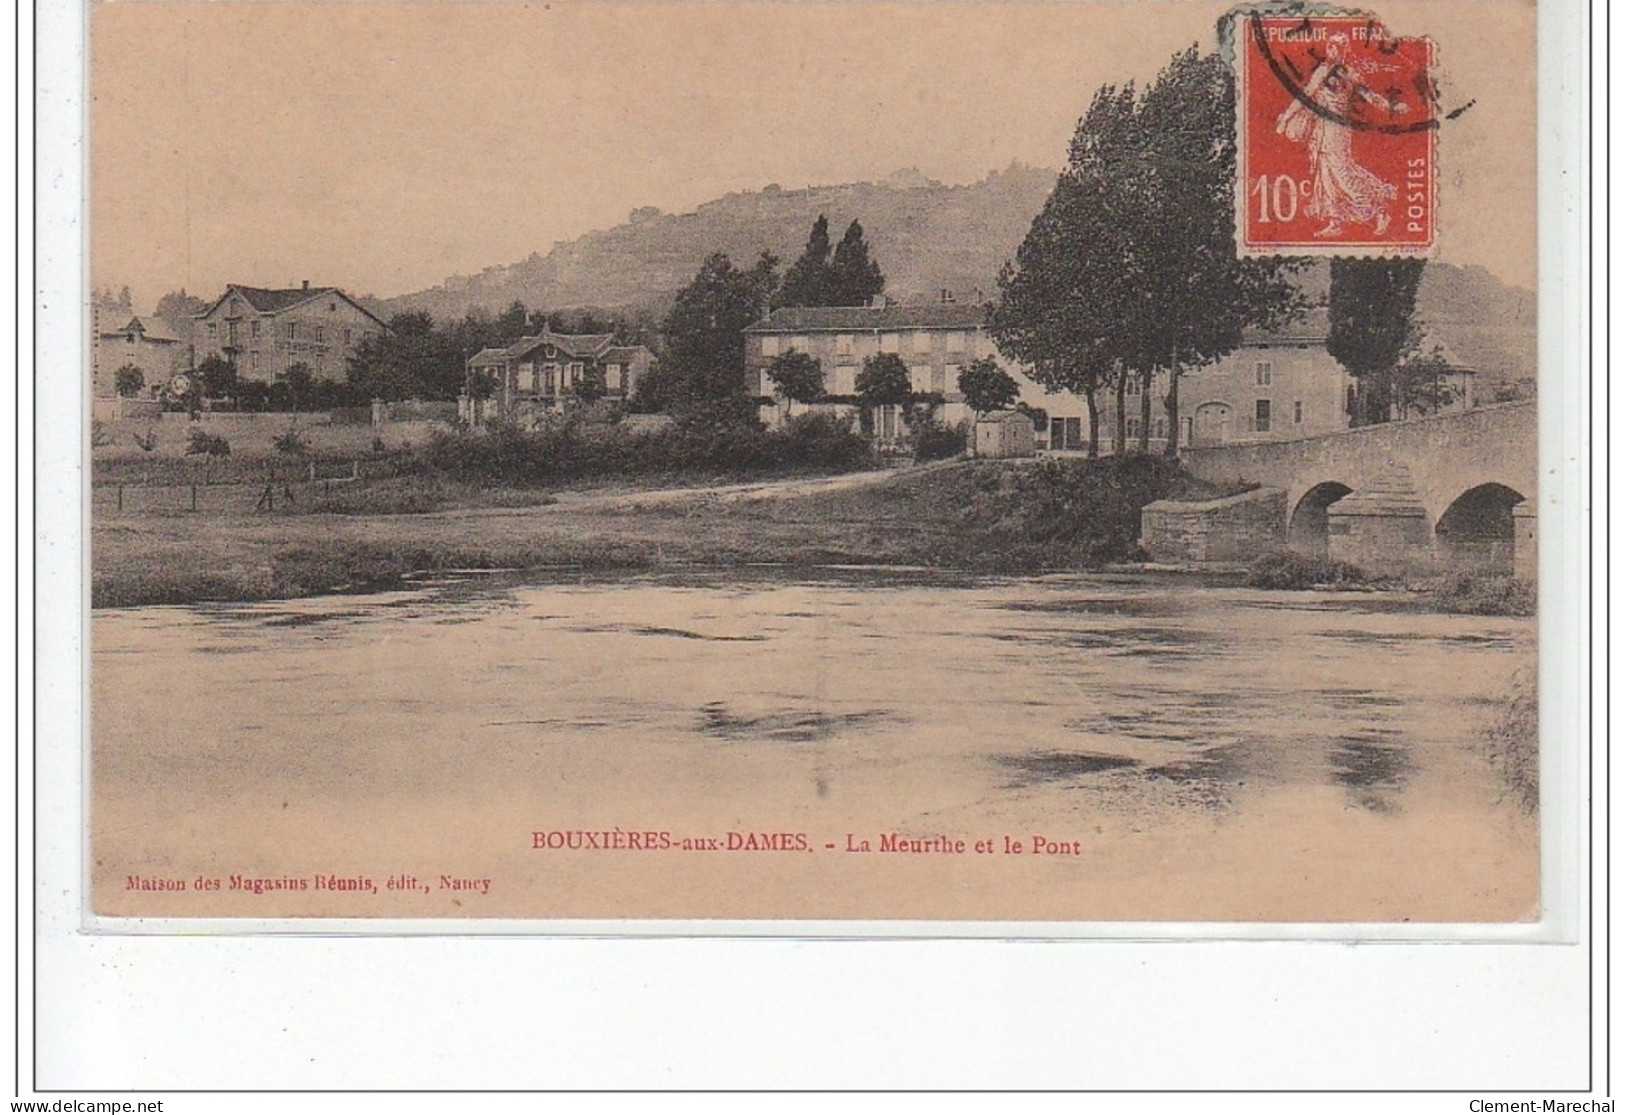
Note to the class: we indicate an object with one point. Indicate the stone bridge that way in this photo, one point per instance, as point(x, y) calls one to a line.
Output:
point(1454, 490)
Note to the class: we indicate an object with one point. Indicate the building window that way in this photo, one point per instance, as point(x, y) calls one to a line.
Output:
point(231, 332)
point(1133, 427)
point(254, 329)
point(293, 330)
point(254, 360)
point(612, 377)
point(550, 380)
point(321, 334)
point(956, 342)
point(770, 346)
point(1263, 373)
point(1066, 433)
point(922, 341)
point(575, 374)
point(1132, 388)
point(1261, 416)
point(843, 344)
point(919, 378)
point(946, 380)
point(1160, 429)
point(1297, 414)
point(211, 329)
point(891, 342)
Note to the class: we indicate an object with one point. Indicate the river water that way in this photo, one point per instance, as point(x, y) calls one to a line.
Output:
point(1105, 749)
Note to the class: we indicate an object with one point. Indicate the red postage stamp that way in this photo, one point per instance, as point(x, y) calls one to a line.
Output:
point(1336, 120)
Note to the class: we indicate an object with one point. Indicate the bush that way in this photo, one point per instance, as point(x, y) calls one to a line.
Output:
point(506, 454)
point(128, 381)
point(1482, 593)
point(202, 443)
point(934, 441)
point(290, 444)
point(1001, 516)
point(253, 395)
point(823, 441)
point(1291, 570)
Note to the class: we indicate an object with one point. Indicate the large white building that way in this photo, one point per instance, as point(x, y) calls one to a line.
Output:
point(1276, 386)
point(935, 341)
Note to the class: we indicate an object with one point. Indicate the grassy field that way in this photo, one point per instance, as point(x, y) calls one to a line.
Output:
point(986, 516)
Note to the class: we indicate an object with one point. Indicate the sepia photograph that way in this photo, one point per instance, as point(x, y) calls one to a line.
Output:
point(1063, 464)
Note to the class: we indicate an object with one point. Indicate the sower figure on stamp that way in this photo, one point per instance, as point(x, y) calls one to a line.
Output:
point(1340, 188)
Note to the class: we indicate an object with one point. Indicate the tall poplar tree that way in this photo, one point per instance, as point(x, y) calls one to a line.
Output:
point(1370, 307)
point(1195, 296)
point(807, 283)
point(1063, 307)
point(854, 278)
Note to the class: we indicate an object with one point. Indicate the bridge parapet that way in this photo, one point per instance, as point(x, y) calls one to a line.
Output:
point(1402, 494)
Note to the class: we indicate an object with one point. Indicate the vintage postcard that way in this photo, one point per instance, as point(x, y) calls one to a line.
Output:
point(1061, 464)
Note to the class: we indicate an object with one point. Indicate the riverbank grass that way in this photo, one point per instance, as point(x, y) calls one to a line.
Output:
point(979, 516)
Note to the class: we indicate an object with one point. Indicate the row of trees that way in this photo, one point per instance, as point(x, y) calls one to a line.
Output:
point(884, 381)
point(702, 368)
point(1131, 270)
point(1131, 267)
point(848, 278)
point(415, 358)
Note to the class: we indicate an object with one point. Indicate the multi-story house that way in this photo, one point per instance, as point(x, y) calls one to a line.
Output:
point(1280, 385)
point(1275, 386)
point(144, 343)
point(265, 332)
point(935, 341)
point(541, 373)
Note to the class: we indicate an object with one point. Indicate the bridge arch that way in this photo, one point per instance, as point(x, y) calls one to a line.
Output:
point(1477, 528)
point(1306, 527)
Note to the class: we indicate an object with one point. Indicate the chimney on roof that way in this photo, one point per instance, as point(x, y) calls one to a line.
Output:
point(307, 284)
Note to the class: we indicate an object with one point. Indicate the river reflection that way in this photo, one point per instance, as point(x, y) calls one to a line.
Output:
point(454, 719)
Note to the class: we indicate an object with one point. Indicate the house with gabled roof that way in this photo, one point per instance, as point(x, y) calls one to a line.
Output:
point(264, 331)
point(144, 343)
point(543, 372)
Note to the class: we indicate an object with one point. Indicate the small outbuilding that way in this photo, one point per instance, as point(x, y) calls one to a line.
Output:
point(1005, 433)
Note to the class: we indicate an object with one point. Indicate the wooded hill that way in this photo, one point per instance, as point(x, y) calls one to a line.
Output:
point(926, 236)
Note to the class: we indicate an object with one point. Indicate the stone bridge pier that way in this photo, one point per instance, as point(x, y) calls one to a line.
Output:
point(1452, 491)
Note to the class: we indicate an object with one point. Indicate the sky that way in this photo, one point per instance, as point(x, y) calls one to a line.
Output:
point(384, 146)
